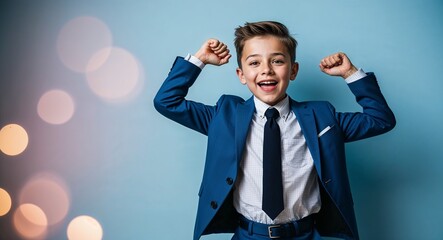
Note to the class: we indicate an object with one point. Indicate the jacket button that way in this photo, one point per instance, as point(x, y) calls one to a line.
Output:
point(229, 181)
point(214, 204)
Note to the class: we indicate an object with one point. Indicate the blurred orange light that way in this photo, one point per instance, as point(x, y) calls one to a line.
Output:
point(55, 107)
point(48, 192)
point(84, 228)
point(5, 202)
point(30, 221)
point(117, 78)
point(79, 39)
point(13, 139)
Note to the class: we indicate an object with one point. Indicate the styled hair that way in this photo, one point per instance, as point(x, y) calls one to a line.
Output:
point(265, 28)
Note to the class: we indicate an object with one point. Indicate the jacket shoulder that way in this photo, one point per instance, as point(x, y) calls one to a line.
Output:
point(227, 99)
point(314, 105)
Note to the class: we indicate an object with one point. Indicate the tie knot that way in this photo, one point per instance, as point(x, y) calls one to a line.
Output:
point(272, 113)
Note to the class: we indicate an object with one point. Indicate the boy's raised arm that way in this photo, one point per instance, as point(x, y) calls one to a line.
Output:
point(213, 52)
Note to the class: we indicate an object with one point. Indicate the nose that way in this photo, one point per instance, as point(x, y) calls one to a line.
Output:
point(267, 69)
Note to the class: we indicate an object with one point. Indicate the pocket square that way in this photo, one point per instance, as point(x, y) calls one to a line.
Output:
point(324, 131)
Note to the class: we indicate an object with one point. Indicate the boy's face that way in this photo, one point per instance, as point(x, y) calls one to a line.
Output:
point(266, 68)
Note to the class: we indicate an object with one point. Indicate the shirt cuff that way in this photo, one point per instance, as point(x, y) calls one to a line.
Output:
point(359, 74)
point(194, 60)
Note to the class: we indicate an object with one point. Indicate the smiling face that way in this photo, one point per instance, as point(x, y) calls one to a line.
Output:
point(266, 68)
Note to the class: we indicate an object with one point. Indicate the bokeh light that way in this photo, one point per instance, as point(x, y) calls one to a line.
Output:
point(117, 78)
point(48, 192)
point(84, 228)
point(13, 139)
point(30, 221)
point(79, 39)
point(56, 107)
point(5, 202)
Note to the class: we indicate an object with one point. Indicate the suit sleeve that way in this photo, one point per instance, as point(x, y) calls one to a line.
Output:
point(376, 117)
point(170, 100)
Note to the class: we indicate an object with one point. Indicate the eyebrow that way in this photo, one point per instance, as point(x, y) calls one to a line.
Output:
point(272, 54)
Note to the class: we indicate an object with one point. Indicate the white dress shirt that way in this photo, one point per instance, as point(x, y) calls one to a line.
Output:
point(300, 184)
point(300, 187)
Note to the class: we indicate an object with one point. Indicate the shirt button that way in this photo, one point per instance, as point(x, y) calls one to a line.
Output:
point(229, 181)
point(214, 204)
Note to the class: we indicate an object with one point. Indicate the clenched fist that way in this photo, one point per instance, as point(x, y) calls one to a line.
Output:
point(213, 52)
point(337, 64)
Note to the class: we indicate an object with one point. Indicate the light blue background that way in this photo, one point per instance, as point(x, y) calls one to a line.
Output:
point(138, 173)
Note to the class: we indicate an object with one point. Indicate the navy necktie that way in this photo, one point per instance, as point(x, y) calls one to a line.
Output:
point(272, 203)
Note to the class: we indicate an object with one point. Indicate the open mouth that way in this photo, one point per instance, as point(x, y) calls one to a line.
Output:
point(267, 83)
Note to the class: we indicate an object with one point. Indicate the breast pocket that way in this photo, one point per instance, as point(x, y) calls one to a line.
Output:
point(329, 138)
point(327, 129)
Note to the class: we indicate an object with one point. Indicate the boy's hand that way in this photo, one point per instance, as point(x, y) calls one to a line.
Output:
point(213, 52)
point(337, 64)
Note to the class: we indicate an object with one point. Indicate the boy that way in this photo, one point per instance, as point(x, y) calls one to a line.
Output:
point(310, 188)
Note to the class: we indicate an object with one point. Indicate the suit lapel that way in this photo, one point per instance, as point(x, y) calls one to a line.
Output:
point(244, 115)
point(306, 119)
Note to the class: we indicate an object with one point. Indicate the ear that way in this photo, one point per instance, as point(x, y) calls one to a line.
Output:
point(294, 71)
point(240, 75)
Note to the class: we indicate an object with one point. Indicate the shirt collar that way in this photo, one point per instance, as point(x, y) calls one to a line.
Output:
point(282, 107)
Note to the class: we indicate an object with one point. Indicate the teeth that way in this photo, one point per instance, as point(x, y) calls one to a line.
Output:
point(267, 83)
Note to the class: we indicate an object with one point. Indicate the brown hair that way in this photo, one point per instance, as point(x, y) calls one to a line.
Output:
point(251, 30)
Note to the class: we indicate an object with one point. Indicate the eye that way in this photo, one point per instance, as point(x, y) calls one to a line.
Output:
point(277, 61)
point(253, 63)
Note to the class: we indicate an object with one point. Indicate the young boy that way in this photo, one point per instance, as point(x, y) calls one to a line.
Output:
point(310, 193)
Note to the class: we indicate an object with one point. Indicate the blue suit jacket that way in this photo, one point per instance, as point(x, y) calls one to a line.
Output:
point(227, 124)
